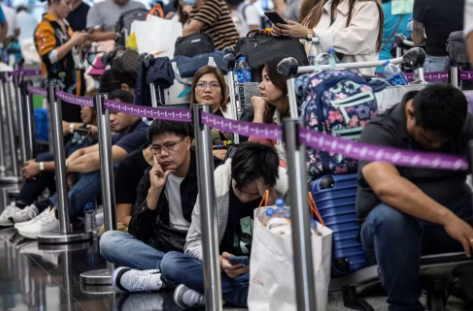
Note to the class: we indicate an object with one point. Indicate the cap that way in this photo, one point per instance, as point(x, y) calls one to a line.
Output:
point(242, 58)
point(311, 57)
point(269, 212)
point(279, 202)
point(332, 51)
point(386, 63)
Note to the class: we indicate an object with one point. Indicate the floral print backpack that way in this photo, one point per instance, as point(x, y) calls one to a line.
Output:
point(340, 103)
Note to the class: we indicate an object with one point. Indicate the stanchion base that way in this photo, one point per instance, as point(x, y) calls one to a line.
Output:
point(65, 247)
point(58, 238)
point(97, 290)
point(10, 179)
point(96, 277)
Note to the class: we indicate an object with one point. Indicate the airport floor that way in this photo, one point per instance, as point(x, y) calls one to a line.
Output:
point(36, 278)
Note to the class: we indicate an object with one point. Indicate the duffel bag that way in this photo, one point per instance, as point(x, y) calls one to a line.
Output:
point(457, 50)
point(193, 45)
point(258, 46)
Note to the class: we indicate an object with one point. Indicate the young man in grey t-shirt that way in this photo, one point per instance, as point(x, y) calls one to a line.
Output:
point(103, 17)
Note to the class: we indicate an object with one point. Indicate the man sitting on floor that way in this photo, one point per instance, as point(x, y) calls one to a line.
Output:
point(239, 185)
point(162, 214)
point(85, 164)
point(410, 211)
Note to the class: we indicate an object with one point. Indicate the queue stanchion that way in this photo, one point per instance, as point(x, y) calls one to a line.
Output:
point(300, 216)
point(229, 59)
point(21, 112)
point(288, 67)
point(28, 120)
point(65, 234)
point(102, 276)
point(8, 136)
point(454, 77)
point(154, 99)
point(207, 201)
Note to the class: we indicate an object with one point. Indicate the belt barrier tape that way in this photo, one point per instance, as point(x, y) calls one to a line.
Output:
point(436, 76)
point(316, 140)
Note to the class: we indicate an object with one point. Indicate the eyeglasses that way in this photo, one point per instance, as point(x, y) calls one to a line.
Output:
point(201, 86)
point(155, 150)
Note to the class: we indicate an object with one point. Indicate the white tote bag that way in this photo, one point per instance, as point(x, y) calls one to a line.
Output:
point(272, 285)
point(157, 36)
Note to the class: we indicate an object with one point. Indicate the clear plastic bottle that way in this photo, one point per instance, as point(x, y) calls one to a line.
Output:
point(410, 27)
point(394, 75)
point(90, 223)
point(243, 71)
point(311, 59)
point(317, 48)
point(333, 59)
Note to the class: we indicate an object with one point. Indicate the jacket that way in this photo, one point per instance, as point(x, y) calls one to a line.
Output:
point(223, 179)
point(153, 226)
point(358, 41)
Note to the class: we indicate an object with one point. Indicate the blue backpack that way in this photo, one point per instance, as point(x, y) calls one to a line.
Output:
point(340, 103)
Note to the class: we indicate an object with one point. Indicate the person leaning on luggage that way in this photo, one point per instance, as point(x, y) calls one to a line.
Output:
point(213, 18)
point(411, 211)
point(354, 28)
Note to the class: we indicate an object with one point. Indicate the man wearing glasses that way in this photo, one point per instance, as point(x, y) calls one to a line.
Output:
point(162, 213)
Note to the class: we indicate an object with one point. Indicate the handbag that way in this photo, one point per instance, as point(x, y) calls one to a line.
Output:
point(193, 45)
point(258, 46)
point(272, 267)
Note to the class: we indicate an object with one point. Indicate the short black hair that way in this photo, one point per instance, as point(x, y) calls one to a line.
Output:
point(113, 79)
point(234, 3)
point(442, 109)
point(122, 95)
point(253, 161)
point(181, 129)
point(21, 8)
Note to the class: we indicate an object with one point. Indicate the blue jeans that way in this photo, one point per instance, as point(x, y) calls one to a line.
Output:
point(398, 241)
point(435, 63)
point(178, 268)
point(86, 190)
point(124, 250)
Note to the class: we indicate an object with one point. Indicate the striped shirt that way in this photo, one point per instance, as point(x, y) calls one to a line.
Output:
point(217, 23)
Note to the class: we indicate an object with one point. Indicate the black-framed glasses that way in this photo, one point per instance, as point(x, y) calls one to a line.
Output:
point(155, 150)
point(201, 86)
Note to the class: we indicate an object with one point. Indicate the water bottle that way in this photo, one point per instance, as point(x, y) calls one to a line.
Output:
point(394, 75)
point(317, 48)
point(410, 26)
point(90, 210)
point(243, 71)
point(280, 210)
point(311, 60)
point(333, 59)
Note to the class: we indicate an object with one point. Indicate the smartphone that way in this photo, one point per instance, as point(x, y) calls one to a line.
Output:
point(275, 18)
point(83, 130)
point(235, 260)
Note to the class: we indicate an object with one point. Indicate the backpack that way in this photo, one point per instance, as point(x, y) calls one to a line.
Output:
point(457, 49)
point(340, 103)
point(193, 45)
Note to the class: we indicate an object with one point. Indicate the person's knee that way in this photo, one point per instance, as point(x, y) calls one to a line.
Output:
point(173, 265)
point(110, 243)
point(388, 219)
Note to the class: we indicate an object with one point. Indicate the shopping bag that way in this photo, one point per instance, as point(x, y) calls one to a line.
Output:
point(272, 284)
point(165, 34)
point(391, 96)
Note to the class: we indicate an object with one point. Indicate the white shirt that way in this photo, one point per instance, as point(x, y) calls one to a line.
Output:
point(10, 16)
point(244, 16)
point(468, 20)
point(357, 42)
point(173, 195)
point(27, 24)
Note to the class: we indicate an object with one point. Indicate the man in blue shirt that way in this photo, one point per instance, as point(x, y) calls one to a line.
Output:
point(85, 165)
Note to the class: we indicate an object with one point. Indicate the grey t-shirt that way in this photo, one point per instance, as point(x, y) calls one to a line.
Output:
point(107, 13)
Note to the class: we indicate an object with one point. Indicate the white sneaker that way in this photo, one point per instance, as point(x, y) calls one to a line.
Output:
point(46, 224)
point(26, 214)
point(7, 214)
point(27, 223)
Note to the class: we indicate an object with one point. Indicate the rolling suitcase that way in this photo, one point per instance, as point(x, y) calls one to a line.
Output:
point(335, 197)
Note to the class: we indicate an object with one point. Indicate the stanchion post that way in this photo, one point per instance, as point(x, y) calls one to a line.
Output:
point(10, 126)
point(65, 234)
point(300, 217)
point(210, 243)
point(21, 116)
point(154, 99)
point(102, 276)
point(454, 77)
point(288, 67)
point(28, 121)
point(230, 61)
point(2, 134)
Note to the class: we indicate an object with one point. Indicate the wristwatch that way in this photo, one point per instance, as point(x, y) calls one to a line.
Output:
point(41, 166)
point(71, 128)
point(310, 35)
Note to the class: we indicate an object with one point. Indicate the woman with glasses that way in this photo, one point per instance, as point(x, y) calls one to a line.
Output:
point(208, 87)
point(59, 48)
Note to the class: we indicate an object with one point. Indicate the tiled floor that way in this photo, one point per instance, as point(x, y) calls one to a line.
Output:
point(38, 279)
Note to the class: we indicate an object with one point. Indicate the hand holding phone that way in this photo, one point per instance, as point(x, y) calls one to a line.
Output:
point(275, 18)
point(234, 267)
point(244, 260)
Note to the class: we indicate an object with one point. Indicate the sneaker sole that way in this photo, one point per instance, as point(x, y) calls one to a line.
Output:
point(115, 279)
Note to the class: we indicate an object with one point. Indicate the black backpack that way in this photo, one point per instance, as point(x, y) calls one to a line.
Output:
point(193, 45)
point(123, 26)
point(257, 47)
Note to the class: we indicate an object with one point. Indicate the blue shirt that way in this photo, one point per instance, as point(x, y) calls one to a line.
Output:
point(134, 139)
point(390, 22)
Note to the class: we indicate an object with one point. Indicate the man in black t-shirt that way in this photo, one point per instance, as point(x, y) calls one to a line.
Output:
point(239, 185)
point(412, 211)
point(77, 18)
point(438, 18)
